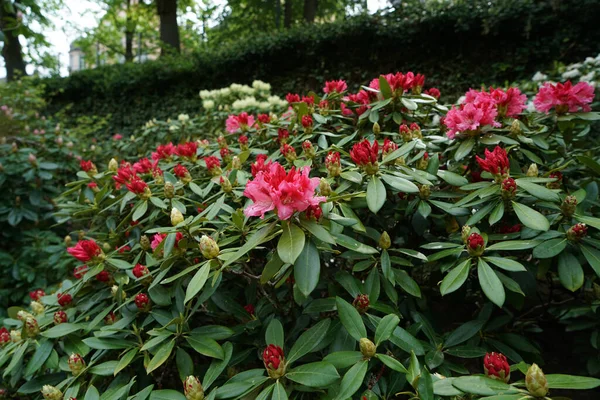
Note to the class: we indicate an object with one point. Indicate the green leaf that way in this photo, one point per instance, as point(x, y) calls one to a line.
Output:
point(351, 319)
point(490, 283)
point(274, 333)
point(317, 374)
point(531, 218)
point(121, 264)
point(456, 278)
point(161, 356)
point(464, 332)
point(140, 210)
point(125, 360)
point(592, 256)
point(514, 245)
point(408, 284)
point(343, 359)
point(506, 264)
point(42, 352)
point(307, 269)
point(560, 381)
point(497, 213)
point(92, 393)
point(290, 243)
point(466, 351)
point(105, 369)
point(464, 149)
point(257, 238)
point(197, 282)
point(217, 366)
point(538, 191)
point(352, 380)
point(480, 385)
point(391, 363)
point(61, 330)
point(384, 87)
point(550, 248)
point(590, 163)
point(279, 392)
point(570, 272)
point(386, 327)
point(351, 244)
point(167, 394)
point(409, 104)
point(452, 178)
point(376, 194)
point(206, 346)
point(317, 231)
point(308, 341)
point(425, 386)
point(400, 184)
point(414, 370)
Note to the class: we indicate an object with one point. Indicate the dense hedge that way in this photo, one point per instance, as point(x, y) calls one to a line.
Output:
point(456, 48)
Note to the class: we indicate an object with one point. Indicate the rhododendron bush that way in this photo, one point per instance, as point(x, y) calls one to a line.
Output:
point(368, 245)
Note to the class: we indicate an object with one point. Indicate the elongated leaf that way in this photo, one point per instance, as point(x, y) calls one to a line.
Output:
point(274, 333)
point(125, 360)
point(39, 357)
point(464, 332)
point(217, 366)
point(385, 328)
point(376, 194)
point(206, 346)
point(290, 243)
point(307, 268)
point(317, 374)
point(351, 319)
point(490, 283)
point(61, 330)
point(593, 257)
point(506, 264)
point(531, 218)
point(308, 340)
point(550, 248)
point(279, 392)
point(456, 278)
point(161, 356)
point(256, 239)
point(570, 272)
point(197, 282)
point(464, 149)
point(400, 184)
point(560, 381)
point(352, 380)
point(391, 363)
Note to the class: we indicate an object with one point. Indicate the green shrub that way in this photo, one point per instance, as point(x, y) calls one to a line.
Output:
point(394, 252)
point(455, 46)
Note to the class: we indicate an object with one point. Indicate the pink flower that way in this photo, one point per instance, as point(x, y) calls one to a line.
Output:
point(117, 136)
point(292, 98)
point(241, 122)
point(85, 250)
point(335, 86)
point(470, 117)
point(495, 162)
point(273, 188)
point(564, 97)
point(159, 237)
point(509, 103)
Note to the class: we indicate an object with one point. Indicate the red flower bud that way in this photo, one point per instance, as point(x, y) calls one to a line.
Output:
point(361, 303)
point(64, 299)
point(142, 301)
point(249, 309)
point(140, 270)
point(274, 360)
point(36, 295)
point(103, 276)
point(475, 244)
point(60, 317)
point(495, 162)
point(496, 366)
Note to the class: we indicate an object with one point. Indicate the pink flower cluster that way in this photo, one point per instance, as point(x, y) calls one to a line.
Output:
point(273, 188)
point(401, 82)
point(564, 97)
point(239, 123)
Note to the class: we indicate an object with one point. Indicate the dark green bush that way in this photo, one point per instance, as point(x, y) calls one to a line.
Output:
point(456, 47)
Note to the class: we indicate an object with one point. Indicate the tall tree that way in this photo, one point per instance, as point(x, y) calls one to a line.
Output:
point(12, 50)
point(169, 29)
point(310, 10)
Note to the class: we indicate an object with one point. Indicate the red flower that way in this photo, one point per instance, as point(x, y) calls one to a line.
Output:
point(264, 118)
point(188, 149)
point(389, 147)
point(140, 270)
point(180, 171)
point(475, 241)
point(287, 151)
point(243, 140)
point(142, 301)
point(496, 366)
point(80, 271)
point(85, 250)
point(307, 121)
point(314, 212)
point(64, 299)
point(249, 309)
point(92, 185)
point(259, 164)
point(36, 295)
point(364, 153)
point(335, 86)
point(564, 97)
point(124, 175)
point(495, 162)
point(509, 186)
point(433, 92)
point(87, 166)
point(307, 145)
point(143, 166)
point(60, 317)
point(225, 153)
point(136, 185)
point(282, 135)
point(292, 98)
point(163, 151)
point(361, 303)
point(4, 336)
point(309, 100)
point(273, 356)
point(123, 249)
point(103, 276)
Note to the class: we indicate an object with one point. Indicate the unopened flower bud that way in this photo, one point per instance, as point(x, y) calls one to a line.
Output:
point(569, 205)
point(22, 315)
point(274, 360)
point(509, 188)
point(376, 128)
point(111, 318)
point(496, 366)
point(475, 244)
point(32, 159)
point(15, 336)
point(225, 184)
point(193, 388)
point(169, 190)
point(515, 127)
point(536, 382)
point(367, 348)
point(577, 232)
point(176, 216)
point(208, 247)
point(145, 242)
point(424, 191)
point(142, 302)
point(384, 241)
point(236, 163)
point(324, 187)
point(465, 232)
point(37, 308)
point(51, 393)
point(60, 317)
point(532, 171)
point(76, 364)
point(361, 303)
point(113, 165)
point(32, 329)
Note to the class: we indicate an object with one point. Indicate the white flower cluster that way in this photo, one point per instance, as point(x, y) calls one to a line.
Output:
point(242, 98)
point(586, 71)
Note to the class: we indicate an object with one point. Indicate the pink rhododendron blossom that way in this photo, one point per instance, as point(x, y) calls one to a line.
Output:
point(564, 97)
point(470, 117)
point(241, 122)
point(335, 86)
point(273, 188)
point(159, 237)
point(509, 103)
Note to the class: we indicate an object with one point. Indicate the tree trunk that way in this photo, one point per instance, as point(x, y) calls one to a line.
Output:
point(11, 51)
point(310, 10)
point(169, 31)
point(129, 32)
point(287, 14)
